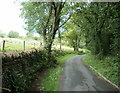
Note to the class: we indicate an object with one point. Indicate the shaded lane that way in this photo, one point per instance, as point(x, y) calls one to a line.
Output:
point(77, 77)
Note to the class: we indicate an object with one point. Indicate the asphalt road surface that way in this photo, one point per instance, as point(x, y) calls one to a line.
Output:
point(77, 77)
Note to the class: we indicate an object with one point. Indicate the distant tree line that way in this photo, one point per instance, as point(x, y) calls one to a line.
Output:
point(13, 34)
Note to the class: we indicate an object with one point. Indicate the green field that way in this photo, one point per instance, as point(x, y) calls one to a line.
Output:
point(13, 45)
point(18, 45)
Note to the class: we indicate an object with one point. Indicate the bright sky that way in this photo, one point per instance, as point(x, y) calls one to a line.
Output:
point(9, 17)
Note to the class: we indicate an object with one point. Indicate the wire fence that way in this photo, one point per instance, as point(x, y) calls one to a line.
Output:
point(17, 45)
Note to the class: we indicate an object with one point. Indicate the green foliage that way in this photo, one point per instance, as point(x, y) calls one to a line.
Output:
point(13, 34)
point(99, 23)
point(72, 35)
point(19, 69)
point(45, 18)
point(29, 34)
point(36, 14)
point(107, 66)
point(36, 38)
point(50, 83)
point(58, 53)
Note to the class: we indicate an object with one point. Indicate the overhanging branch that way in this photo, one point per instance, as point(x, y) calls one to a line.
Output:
point(64, 22)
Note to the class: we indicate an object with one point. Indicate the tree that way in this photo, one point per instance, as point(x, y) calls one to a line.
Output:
point(73, 35)
point(45, 18)
point(13, 34)
point(99, 25)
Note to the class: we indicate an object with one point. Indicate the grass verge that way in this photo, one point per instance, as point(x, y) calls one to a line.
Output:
point(107, 67)
point(62, 59)
point(50, 83)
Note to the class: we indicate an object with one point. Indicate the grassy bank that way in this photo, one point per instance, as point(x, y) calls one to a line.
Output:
point(50, 83)
point(108, 67)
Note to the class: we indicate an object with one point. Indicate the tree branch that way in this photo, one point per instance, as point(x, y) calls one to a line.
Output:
point(64, 22)
point(53, 4)
point(88, 19)
point(46, 25)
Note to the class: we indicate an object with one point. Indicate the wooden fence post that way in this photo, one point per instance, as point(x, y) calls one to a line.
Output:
point(24, 46)
point(3, 48)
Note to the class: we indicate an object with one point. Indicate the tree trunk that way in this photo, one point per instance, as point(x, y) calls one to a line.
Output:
point(55, 25)
point(60, 44)
point(59, 38)
point(44, 41)
point(48, 49)
point(76, 44)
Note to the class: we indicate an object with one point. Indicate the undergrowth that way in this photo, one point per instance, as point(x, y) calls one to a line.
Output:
point(50, 83)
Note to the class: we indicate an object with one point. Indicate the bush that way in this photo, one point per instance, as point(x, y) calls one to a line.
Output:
point(13, 34)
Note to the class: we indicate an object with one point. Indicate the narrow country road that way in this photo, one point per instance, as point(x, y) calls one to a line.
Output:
point(77, 77)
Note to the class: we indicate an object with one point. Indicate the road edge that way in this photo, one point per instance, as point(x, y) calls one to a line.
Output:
point(104, 78)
